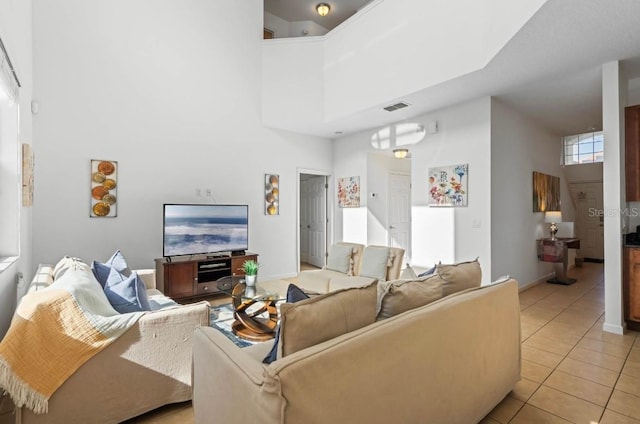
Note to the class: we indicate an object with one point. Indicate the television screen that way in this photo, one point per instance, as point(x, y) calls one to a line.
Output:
point(201, 229)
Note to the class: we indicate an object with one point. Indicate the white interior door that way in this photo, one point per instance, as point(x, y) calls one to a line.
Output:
point(304, 220)
point(399, 213)
point(589, 225)
point(313, 219)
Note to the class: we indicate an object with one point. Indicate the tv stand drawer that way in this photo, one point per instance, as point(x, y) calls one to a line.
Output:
point(204, 288)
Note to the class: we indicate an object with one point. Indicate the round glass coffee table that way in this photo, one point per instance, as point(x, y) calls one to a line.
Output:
point(255, 312)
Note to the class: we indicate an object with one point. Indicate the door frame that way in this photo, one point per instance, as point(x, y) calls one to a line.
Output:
point(328, 206)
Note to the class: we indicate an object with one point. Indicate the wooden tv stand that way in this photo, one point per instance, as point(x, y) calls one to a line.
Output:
point(195, 276)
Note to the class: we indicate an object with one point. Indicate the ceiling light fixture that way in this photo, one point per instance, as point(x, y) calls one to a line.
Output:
point(323, 9)
point(400, 153)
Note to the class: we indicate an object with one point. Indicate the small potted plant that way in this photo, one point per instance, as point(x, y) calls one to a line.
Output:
point(250, 268)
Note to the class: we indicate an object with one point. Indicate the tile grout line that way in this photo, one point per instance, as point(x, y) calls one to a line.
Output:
point(587, 291)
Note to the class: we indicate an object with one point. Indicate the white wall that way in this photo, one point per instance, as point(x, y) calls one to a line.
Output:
point(15, 31)
point(633, 92)
point(362, 66)
point(282, 28)
point(306, 29)
point(172, 92)
point(585, 172)
point(519, 147)
point(463, 137)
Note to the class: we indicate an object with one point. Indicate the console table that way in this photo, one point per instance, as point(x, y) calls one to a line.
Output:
point(556, 251)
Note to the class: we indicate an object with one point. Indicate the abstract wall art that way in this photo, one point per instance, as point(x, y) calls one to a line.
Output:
point(546, 192)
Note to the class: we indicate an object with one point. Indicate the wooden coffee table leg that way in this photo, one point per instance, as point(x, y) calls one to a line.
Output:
point(251, 326)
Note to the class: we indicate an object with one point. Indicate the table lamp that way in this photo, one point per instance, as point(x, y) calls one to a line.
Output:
point(552, 218)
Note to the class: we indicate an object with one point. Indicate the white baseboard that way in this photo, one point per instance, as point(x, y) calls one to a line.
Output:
point(536, 282)
point(613, 328)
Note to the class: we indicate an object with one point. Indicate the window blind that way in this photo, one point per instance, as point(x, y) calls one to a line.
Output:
point(9, 81)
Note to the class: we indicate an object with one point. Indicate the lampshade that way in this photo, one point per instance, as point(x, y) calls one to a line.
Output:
point(552, 216)
point(400, 153)
point(323, 9)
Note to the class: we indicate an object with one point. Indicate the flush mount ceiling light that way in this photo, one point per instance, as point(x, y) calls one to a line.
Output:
point(323, 9)
point(400, 153)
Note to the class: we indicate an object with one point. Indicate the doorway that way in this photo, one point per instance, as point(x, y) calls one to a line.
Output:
point(588, 199)
point(399, 212)
point(312, 219)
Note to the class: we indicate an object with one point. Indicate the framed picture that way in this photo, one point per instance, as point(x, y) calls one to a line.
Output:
point(546, 192)
point(349, 192)
point(448, 185)
point(104, 187)
point(271, 194)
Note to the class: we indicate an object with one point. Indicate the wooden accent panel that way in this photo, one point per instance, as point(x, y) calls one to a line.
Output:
point(181, 279)
point(631, 287)
point(632, 152)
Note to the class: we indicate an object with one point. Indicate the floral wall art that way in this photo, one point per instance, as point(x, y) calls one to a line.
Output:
point(349, 192)
point(448, 185)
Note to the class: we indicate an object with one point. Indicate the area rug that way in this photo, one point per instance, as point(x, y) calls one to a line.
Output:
point(221, 317)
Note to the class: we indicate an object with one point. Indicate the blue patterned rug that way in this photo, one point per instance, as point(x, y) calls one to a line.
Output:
point(221, 317)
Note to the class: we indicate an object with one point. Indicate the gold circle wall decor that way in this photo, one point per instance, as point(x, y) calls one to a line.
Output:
point(104, 176)
point(271, 194)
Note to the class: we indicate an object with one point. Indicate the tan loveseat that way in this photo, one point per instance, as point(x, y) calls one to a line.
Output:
point(326, 279)
point(145, 368)
point(450, 361)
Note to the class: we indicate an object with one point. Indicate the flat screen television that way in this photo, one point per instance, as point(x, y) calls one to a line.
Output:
point(192, 229)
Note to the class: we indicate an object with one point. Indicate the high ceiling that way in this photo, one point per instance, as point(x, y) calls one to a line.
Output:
point(305, 10)
point(550, 70)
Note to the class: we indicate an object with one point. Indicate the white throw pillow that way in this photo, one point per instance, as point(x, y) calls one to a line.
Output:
point(375, 261)
point(408, 273)
point(339, 259)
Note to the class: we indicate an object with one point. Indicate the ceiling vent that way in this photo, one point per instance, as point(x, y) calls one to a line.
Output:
point(396, 106)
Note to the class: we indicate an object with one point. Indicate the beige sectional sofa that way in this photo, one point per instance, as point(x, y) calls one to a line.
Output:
point(145, 368)
point(352, 264)
point(449, 361)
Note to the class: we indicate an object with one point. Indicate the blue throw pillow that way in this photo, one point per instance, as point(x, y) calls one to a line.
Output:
point(428, 272)
point(128, 294)
point(102, 270)
point(294, 294)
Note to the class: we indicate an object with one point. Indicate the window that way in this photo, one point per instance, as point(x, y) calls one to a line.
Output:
point(10, 161)
point(583, 148)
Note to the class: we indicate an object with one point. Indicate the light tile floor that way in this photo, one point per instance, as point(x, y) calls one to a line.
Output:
point(572, 371)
